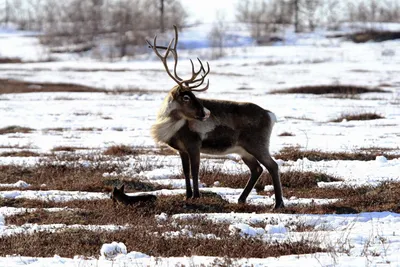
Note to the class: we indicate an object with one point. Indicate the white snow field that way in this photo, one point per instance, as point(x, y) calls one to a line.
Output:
point(246, 73)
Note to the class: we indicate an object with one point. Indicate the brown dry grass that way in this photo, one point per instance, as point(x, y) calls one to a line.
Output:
point(8, 86)
point(7, 60)
point(72, 177)
point(290, 179)
point(89, 129)
point(15, 129)
point(295, 153)
point(358, 117)
point(124, 150)
point(385, 197)
point(286, 134)
point(373, 35)
point(57, 129)
point(120, 150)
point(107, 212)
point(329, 89)
point(20, 153)
point(67, 148)
point(82, 242)
point(141, 220)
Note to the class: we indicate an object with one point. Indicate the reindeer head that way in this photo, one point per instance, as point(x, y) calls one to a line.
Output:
point(183, 103)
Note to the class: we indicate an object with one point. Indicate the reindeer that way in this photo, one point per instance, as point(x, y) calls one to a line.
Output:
point(192, 126)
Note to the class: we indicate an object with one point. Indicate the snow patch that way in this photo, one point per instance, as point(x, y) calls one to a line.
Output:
point(111, 251)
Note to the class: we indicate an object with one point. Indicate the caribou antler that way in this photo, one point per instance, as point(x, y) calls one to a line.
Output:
point(188, 84)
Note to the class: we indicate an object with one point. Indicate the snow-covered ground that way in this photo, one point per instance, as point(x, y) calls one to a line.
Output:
point(246, 73)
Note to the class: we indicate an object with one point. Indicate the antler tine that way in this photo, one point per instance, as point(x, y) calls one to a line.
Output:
point(175, 54)
point(165, 57)
point(205, 72)
point(193, 78)
point(183, 84)
point(202, 89)
point(200, 80)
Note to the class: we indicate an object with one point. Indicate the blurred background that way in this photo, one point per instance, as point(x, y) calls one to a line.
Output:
point(116, 29)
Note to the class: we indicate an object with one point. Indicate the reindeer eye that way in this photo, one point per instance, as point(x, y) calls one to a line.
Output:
point(186, 98)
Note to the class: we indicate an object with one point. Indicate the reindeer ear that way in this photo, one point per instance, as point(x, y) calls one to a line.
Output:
point(122, 188)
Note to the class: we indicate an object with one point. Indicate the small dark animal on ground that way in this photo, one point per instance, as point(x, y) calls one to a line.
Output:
point(118, 195)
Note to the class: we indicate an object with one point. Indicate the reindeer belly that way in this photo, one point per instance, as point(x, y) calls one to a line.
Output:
point(221, 140)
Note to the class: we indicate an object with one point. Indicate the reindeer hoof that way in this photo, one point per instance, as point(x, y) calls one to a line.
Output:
point(196, 195)
point(241, 201)
point(279, 205)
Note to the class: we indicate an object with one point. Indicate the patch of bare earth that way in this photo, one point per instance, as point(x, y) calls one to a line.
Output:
point(330, 89)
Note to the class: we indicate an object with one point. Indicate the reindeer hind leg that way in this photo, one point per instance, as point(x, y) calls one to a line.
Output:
point(256, 171)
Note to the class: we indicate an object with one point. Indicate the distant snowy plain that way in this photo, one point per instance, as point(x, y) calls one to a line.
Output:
point(246, 73)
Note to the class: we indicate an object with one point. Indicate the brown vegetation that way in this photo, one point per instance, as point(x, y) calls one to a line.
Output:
point(15, 129)
point(71, 177)
point(139, 238)
point(286, 134)
point(385, 197)
point(329, 89)
point(358, 117)
point(290, 179)
point(67, 148)
point(120, 150)
point(7, 60)
point(8, 86)
point(89, 129)
point(141, 222)
point(376, 36)
point(19, 153)
point(365, 154)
